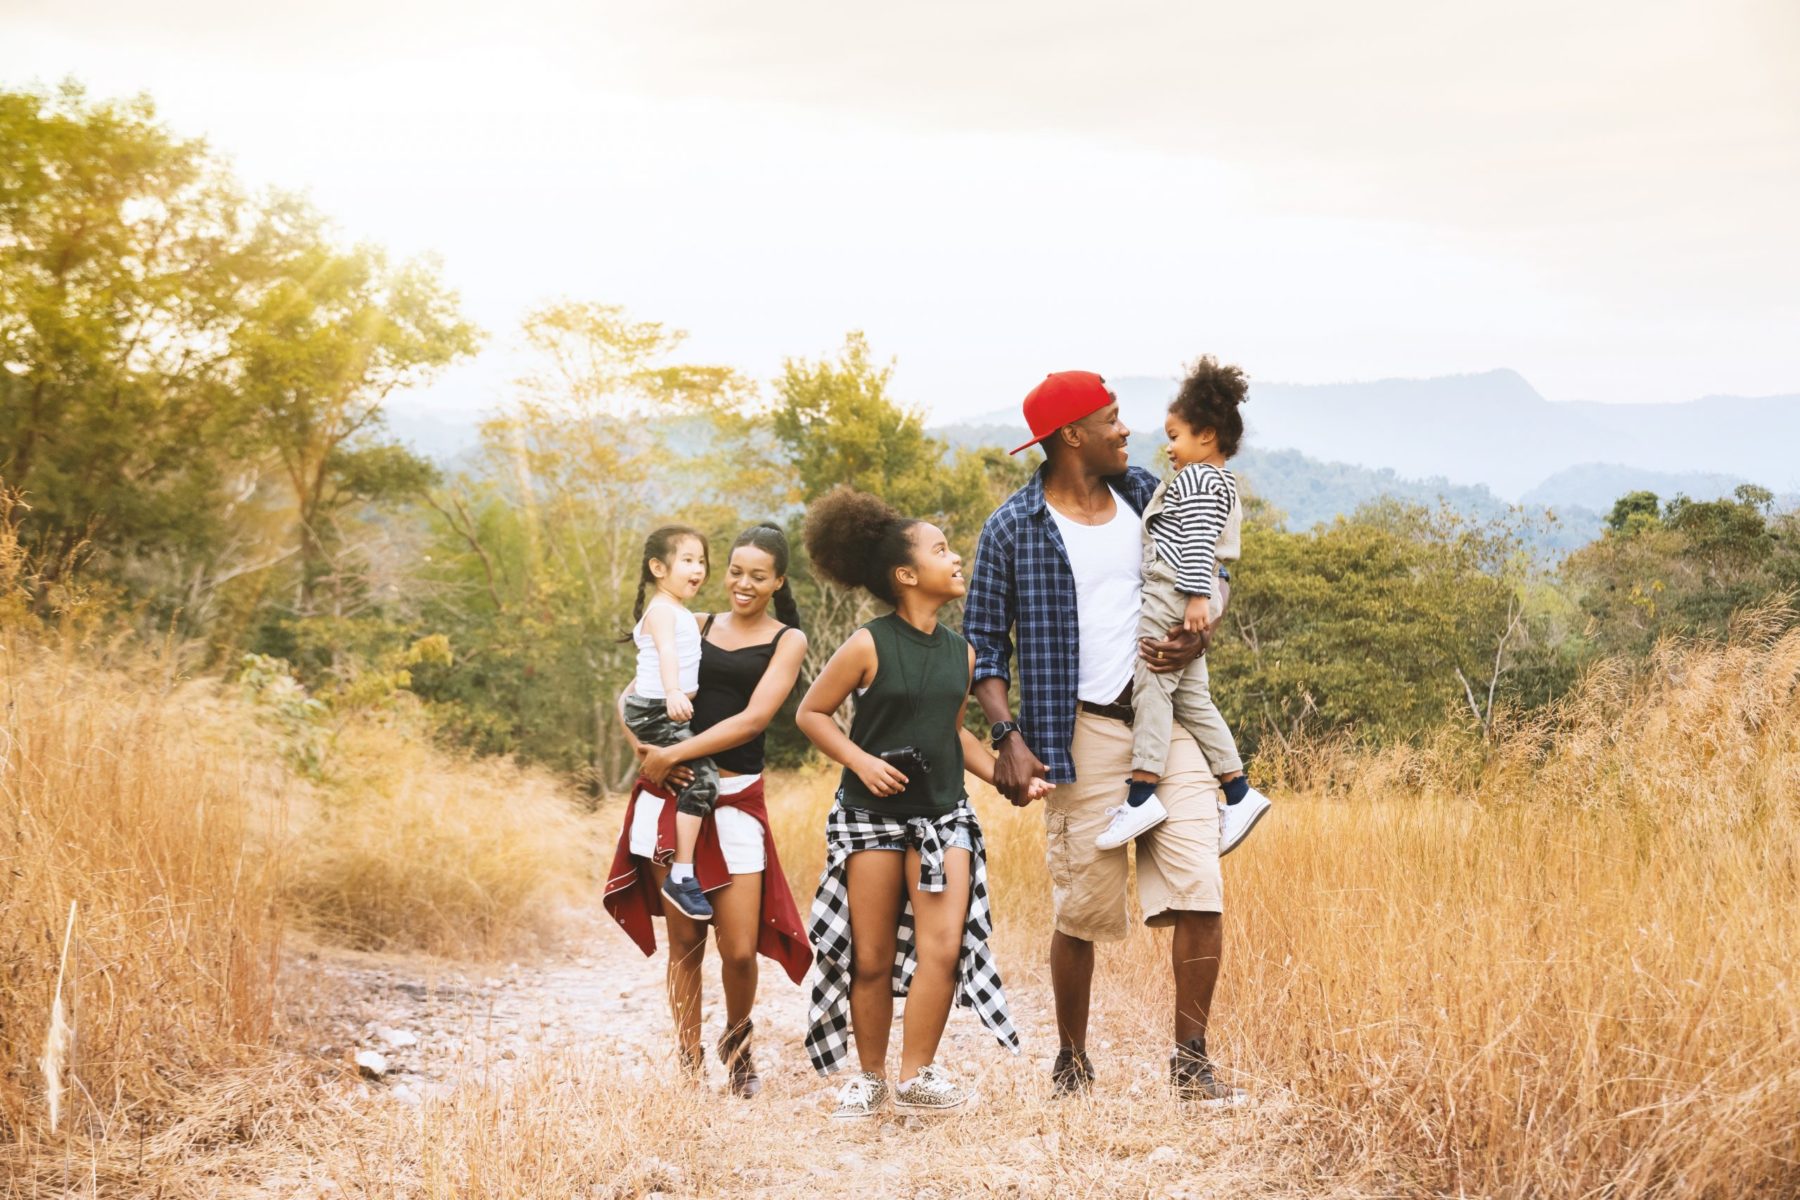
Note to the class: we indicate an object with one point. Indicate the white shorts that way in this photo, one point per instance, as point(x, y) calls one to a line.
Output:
point(740, 834)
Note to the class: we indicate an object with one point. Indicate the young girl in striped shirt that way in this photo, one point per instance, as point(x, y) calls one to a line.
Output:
point(1191, 525)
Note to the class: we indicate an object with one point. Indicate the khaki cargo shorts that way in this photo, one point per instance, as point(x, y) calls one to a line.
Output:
point(1177, 862)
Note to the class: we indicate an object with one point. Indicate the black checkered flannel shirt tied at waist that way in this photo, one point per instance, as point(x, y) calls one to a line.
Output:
point(978, 985)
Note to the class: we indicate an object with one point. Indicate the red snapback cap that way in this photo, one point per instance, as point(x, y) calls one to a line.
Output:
point(1063, 397)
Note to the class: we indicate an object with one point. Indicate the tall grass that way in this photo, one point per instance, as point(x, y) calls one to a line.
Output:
point(421, 849)
point(1561, 960)
point(175, 824)
point(132, 802)
point(1557, 960)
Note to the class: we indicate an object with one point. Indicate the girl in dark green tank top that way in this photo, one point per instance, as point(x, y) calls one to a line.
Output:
point(913, 675)
point(915, 700)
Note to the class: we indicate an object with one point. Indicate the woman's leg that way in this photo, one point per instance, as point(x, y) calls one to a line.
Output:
point(737, 917)
point(875, 898)
point(737, 920)
point(938, 919)
point(687, 949)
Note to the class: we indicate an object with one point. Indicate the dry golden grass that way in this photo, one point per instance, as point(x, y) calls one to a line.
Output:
point(420, 849)
point(1562, 963)
point(128, 800)
point(172, 822)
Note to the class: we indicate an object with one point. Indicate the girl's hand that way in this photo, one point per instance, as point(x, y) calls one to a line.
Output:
point(1198, 616)
point(880, 777)
point(1037, 789)
point(679, 708)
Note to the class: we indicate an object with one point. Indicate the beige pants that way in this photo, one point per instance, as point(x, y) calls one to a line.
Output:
point(1177, 862)
point(1163, 700)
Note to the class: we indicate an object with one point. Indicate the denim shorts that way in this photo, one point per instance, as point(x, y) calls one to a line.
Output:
point(960, 840)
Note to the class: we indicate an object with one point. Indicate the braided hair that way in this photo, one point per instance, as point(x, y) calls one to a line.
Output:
point(768, 537)
point(857, 540)
point(657, 548)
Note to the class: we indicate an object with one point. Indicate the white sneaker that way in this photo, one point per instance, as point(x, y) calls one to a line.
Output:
point(1237, 820)
point(933, 1091)
point(861, 1096)
point(1128, 822)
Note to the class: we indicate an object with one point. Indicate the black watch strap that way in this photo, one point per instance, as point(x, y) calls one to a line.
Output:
point(998, 733)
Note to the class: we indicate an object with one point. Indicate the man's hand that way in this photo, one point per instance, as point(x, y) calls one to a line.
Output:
point(1018, 775)
point(1173, 652)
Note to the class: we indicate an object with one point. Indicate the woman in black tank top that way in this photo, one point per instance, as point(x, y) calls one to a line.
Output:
point(749, 662)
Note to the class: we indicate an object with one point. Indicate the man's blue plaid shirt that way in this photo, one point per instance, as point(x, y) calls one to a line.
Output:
point(1022, 580)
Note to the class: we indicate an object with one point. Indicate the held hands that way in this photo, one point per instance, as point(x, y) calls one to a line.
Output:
point(1197, 618)
point(679, 707)
point(1018, 773)
point(882, 778)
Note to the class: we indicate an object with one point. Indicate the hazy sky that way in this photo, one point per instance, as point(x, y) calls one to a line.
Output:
point(1599, 195)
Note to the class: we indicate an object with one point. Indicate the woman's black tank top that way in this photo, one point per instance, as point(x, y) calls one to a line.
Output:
point(728, 678)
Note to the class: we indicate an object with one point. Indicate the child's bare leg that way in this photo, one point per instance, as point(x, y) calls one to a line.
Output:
point(687, 836)
point(1145, 777)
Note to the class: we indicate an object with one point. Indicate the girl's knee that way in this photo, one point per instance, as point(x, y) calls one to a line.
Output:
point(871, 964)
point(939, 954)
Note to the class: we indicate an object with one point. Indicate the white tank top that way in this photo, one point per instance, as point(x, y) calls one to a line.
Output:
point(1108, 564)
point(649, 683)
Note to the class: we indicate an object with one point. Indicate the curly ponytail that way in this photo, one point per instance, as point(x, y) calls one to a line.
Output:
point(857, 540)
point(768, 537)
point(1209, 399)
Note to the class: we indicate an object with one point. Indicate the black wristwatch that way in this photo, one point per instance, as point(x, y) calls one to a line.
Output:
point(998, 733)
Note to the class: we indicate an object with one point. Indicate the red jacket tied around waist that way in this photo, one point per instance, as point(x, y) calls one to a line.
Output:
point(633, 899)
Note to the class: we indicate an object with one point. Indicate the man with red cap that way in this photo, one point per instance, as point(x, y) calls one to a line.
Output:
point(1059, 574)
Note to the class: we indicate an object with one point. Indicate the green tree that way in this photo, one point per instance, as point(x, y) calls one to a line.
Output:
point(536, 552)
point(331, 335)
point(1685, 569)
point(838, 422)
point(1383, 623)
point(125, 258)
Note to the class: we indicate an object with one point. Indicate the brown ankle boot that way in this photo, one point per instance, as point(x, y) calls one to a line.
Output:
point(734, 1052)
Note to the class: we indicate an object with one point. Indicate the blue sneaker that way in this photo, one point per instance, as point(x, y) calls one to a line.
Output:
point(688, 897)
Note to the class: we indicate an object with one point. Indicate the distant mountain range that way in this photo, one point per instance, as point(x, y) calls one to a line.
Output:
point(1478, 442)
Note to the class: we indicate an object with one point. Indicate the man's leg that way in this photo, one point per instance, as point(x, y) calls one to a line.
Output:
point(1180, 886)
point(1087, 883)
point(1198, 944)
point(1072, 983)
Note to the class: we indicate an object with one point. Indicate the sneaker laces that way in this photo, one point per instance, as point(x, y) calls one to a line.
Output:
point(936, 1080)
point(858, 1092)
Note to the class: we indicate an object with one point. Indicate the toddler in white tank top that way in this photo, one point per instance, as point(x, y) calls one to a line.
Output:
point(660, 704)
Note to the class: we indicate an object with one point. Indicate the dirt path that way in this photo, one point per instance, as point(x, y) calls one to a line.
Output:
point(571, 1034)
point(439, 1026)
